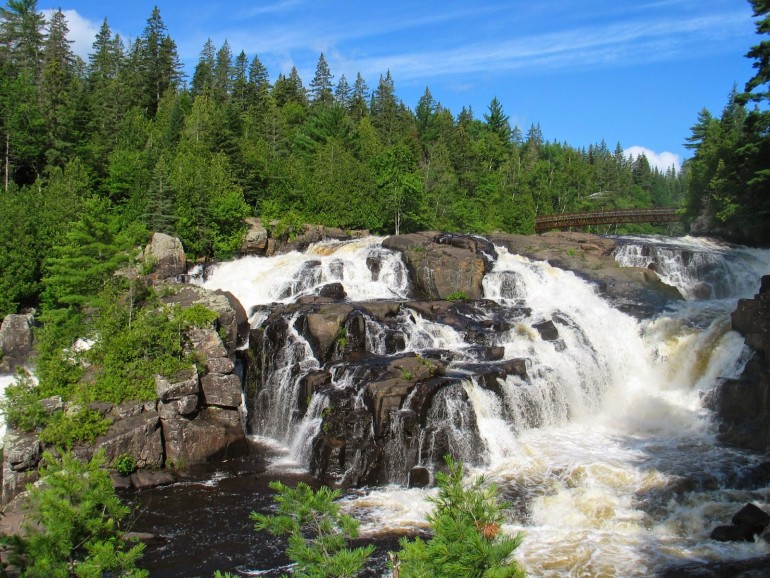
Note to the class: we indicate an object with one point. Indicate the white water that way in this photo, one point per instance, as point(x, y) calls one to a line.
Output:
point(591, 447)
point(285, 278)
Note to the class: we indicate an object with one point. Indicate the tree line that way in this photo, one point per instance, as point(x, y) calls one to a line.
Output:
point(728, 177)
point(194, 156)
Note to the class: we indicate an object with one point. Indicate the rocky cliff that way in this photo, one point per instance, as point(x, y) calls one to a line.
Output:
point(743, 404)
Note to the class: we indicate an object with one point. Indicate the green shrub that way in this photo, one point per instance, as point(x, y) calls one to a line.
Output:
point(467, 538)
point(66, 429)
point(318, 532)
point(21, 407)
point(73, 524)
point(457, 296)
point(125, 464)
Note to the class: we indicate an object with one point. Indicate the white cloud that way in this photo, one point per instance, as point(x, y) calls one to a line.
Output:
point(82, 32)
point(662, 161)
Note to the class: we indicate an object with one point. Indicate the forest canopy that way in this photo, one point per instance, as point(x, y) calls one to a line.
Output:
point(131, 144)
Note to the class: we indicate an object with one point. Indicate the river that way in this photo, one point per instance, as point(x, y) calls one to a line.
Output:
point(605, 453)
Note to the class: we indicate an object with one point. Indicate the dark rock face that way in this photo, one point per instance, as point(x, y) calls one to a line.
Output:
point(743, 404)
point(749, 522)
point(15, 341)
point(386, 416)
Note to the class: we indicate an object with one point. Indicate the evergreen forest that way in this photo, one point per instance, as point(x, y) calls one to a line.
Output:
point(98, 154)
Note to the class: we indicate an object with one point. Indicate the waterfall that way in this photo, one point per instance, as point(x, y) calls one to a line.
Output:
point(601, 443)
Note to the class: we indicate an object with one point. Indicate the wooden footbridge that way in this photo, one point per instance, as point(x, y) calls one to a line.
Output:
point(612, 217)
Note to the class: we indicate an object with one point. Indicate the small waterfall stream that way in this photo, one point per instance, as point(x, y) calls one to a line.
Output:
point(604, 448)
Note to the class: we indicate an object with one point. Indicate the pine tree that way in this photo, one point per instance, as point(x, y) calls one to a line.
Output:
point(58, 90)
point(74, 523)
point(77, 268)
point(467, 536)
point(342, 92)
point(223, 73)
point(22, 37)
point(497, 121)
point(359, 99)
point(203, 76)
point(321, 85)
point(156, 64)
point(317, 532)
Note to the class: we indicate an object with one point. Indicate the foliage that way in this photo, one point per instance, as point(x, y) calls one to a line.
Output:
point(125, 464)
point(20, 405)
point(65, 429)
point(317, 531)
point(457, 296)
point(73, 526)
point(467, 537)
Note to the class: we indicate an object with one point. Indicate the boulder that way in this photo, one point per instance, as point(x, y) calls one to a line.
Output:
point(166, 254)
point(747, 523)
point(231, 316)
point(442, 265)
point(144, 479)
point(15, 341)
point(210, 434)
point(255, 239)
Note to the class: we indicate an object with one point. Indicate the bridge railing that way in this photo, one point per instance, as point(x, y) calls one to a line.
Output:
point(608, 217)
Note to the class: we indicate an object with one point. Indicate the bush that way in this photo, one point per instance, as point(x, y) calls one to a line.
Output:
point(65, 429)
point(467, 538)
point(125, 464)
point(73, 524)
point(20, 405)
point(318, 532)
point(457, 296)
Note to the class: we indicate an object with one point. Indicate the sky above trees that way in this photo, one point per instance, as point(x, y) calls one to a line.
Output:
point(634, 73)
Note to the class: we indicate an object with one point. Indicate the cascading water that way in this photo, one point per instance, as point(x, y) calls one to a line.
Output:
point(603, 446)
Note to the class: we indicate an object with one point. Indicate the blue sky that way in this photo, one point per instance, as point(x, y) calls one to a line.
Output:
point(634, 72)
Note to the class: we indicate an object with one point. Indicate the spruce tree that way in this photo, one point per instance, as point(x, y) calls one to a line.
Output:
point(468, 541)
point(321, 85)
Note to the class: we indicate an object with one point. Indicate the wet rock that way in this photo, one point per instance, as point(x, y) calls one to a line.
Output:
point(442, 265)
point(419, 477)
point(333, 291)
point(638, 291)
point(747, 523)
point(143, 479)
point(547, 330)
point(743, 404)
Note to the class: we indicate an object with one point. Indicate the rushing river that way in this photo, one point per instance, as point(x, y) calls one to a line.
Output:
point(606, 453)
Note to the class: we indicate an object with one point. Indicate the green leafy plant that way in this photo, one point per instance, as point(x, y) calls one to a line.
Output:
point(457, 296)
point(406, 374)
point(317, 532)
point(73, 524)
point(342, 338)
point(467, 537)
point(20, 405)
point(125, 464)
point(67, 428)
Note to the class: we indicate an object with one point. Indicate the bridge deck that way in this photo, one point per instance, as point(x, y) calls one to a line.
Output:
point(658, 215)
